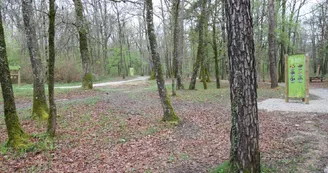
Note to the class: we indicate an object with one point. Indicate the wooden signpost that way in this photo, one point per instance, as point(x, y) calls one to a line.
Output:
point(297, 77)
point(15, 74)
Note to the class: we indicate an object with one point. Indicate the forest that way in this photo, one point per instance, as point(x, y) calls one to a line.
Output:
point(163, 86)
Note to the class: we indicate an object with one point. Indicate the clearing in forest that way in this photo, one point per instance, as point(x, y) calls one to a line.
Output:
point(119, 128)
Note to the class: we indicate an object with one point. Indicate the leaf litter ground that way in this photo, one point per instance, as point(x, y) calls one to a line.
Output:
point(119, 129)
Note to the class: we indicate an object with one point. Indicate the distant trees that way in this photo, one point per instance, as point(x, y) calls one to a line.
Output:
point(16, 136)
point(169, 114)
point(244, 136)
point(40, 107)
point(82, 27)
point(116, 37)
point(319, 29)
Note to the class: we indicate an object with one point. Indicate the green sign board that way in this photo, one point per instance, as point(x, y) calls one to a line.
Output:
point(296, 76)
point(131, 71)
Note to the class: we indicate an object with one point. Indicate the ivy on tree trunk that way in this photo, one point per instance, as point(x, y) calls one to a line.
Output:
point(169, 114)
point(201, 45)
point(87, 81)
point(17, 139)
point(40, 107)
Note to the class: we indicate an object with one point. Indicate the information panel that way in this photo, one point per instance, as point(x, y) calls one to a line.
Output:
point(296, 76)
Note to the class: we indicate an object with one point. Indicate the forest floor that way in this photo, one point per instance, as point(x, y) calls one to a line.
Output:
point(118, 128)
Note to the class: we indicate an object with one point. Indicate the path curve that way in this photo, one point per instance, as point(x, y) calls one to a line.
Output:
point(140, 78)
point(27, 105)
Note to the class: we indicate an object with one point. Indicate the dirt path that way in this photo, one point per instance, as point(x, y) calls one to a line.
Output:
point(64, 101)
point(140, 78)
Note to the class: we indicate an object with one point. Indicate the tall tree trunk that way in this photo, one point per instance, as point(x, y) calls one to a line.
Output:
point(169, 114)
point(272, 46)
point(261, 43)
point(204, 59)
point(291, 18)
point(51, 68)
point(314, 53)
point(224, 39)
point(244, 154)
point(17, 139)
point(40, 107)
point(215, 47)
point(120, 35)
point(181, 43)
point(283, 36)
point(166, 51)
point(176, 58)
point(87, 81)
point(201, 45)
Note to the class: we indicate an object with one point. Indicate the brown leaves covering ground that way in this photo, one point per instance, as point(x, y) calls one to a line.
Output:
point(121, 131)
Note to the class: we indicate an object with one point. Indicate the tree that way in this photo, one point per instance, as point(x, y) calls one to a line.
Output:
point(17, 139)
point(83, 40)
point(121, 66)
point(176, 41)
point(181, 43)
point(272, 46)
point(283, 41)
point(175, 16)
point(169, 114)
point(166, 51)
point(40, 107)
point(201, 46)
point(215, 47)
point(51, 68)
point(244, 136)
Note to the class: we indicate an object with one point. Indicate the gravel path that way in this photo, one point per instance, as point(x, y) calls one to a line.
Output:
point(315, 106)
point(140, 78)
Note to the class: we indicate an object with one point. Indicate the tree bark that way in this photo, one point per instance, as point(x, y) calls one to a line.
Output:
point(169, 114)
point(166, 51)
point(40, 107)
point(87, 81)
point(224, 40)
point(272, 46)
point(181, 43)
point(51, 67)
point(215, 47)
point(283, 36)
point(244, 139)
point(200, 51)
point(17, 139)
point(176, 58)
point(120, 35)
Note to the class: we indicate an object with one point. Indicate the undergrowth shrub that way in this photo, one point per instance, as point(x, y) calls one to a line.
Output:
point(26, 72)
point(67, 71)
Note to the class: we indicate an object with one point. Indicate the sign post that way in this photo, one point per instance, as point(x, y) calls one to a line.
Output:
point(131, 71)
point(297, 77)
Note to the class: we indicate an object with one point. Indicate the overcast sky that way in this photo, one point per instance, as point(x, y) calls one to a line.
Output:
point(308, 7)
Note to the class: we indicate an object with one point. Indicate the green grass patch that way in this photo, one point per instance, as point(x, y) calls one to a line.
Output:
point(225, 168)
